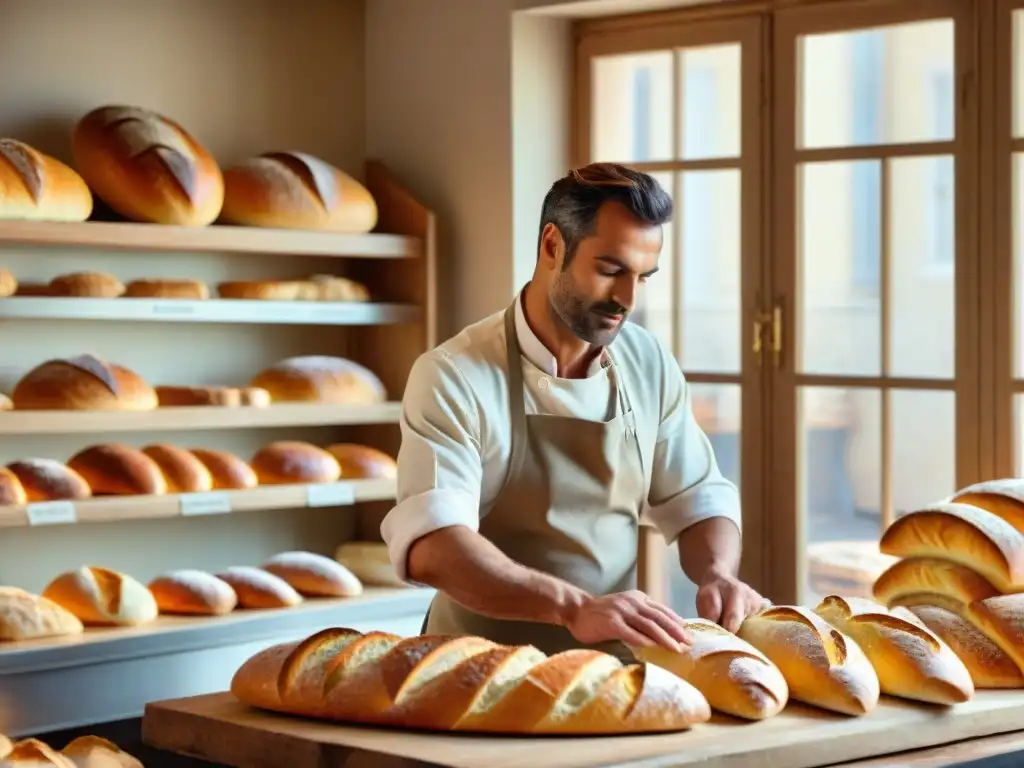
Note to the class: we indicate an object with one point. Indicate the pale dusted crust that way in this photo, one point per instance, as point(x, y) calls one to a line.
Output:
point(167, 289)
point(822, 666)
point(931, 581)
point(292, 461)
point(49, 480)
point(83, 383)
point(314, 575)
point(323, 379)
point(229, 472)
point(1004, 498)
point(1001, 620)
point(33, 753)
point(119, 470)
point(362, 461)
point(257, 588)
point(171, 397)
point(910, 660)
point(97, 752)
point(11, 490)
point(989, 666)
point(8, 284)
point(963, 534)
point(24, 616)
point(193, 592)
point(733, 675)
point(182, 471)
point(93, 285)
point(37, 187)
point(102, 597)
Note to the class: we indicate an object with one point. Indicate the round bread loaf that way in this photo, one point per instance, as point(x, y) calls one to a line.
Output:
point(37, 187)
point(8, 284)
point(182, 471)
point(167, 289)
point(91, 285)
point(258, 589)
point(119, 470)
point(83, 383)
point(49, 480)
point(291, 461)
point(362, 461)
point(294, 190)
point(102, 597)
point(314, 575)
point(189, 591)
point(147, 167)
point(11, 490)
point(321, 379)
point(229, 472)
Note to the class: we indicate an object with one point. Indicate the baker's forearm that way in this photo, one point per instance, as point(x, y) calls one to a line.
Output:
point(712, 546)
point(476, 574)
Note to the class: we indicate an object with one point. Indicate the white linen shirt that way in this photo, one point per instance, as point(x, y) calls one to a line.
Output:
point(457, 430)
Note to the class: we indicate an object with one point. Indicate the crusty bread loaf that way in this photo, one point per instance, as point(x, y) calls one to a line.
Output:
point(91, 285)
point(229, 472)
point(11, 490)
point(259, 589)
point(147, 167)
point(294, 190)
point(931, 581)
point(362, 461)
point(822, 666)
point(292, 461)
point(910, 660)
point(189, 591)
point(316, 288)
point(182, 471)
point(323, 379)
point(1003, 498)
point(1001, 620)
point(37, 187)
point(170, 397)
point(97, 752)
point(989, 666)
point(255, 397)
point(313, 575)
point(733, 675)
point(24, 616)
point(167, 289)
point(33, 753)
point(83, 383)
point(465, 684)
point(102, 597)
point(8, 282)
point(963, 534)
point(49, 480)
point(118, 470)
point(369, 562)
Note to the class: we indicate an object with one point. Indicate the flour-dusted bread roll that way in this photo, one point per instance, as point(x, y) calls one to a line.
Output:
point(294, 190)
point(188, 591)
point(1001, 620)
point(88, 285)
point(8, 282)
point(229, 472)
point(147, 167)
point(1003, 498)
point(911, 661)
point(314, 575)
point(172, 397)
point(12, 491)
point(963, 534)
point(322, 379)
point(97, 752)
point(989, 666)
point(167, 289)
point(102, 597)
point(362, 461)
point(292, 461)
point(37, 187)
point(49, 480)
point(119, 470)
point(258, 589)
point(24, 616)
point(733, 675)
point(33, 753)
point(931, 581)
point(82, 383)
point(182, 471)
point(822, 666)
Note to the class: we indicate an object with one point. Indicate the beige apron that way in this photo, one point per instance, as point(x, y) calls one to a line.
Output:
point(570, 507)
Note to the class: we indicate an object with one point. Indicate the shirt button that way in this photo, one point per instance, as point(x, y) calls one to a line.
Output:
point(543, 382)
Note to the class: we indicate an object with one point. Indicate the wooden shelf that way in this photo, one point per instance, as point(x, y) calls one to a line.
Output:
point(222, 239)
point(210, 311)
point(116, 508)
point(199, 417)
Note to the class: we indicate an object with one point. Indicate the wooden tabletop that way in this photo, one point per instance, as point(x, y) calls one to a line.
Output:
point(952, 754)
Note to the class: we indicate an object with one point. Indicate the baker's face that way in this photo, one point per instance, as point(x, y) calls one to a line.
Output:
point(597, 291)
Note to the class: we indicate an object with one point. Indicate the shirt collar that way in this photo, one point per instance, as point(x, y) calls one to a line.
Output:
point(533, 349)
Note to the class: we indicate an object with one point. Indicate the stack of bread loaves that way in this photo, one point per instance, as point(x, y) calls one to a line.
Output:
point(83, 752)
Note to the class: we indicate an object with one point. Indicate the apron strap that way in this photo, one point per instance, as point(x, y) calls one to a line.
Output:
point(516, 394)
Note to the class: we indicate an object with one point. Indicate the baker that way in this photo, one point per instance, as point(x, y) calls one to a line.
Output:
point(534, 440)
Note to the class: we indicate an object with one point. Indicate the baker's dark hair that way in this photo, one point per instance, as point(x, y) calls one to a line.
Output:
point(573, 201)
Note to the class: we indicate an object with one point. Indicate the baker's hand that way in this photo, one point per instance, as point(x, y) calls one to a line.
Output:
point(631, 618)
point(727, 601)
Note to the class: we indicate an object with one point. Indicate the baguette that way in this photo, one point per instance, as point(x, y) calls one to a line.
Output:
point(1001, 620)
point(989, 666)
point(1003, 498)
point(822, 666)
point(931, 581)
point(910, 660)
point(442, 683)
point(733, 675)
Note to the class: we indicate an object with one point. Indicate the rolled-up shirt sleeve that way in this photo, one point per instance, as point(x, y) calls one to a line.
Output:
point(686, 483)
point(439, 463)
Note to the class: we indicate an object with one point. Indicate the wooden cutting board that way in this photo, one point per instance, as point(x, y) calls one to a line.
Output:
point(219, 728)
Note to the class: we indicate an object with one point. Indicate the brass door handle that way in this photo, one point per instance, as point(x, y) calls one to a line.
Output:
point(761, 321)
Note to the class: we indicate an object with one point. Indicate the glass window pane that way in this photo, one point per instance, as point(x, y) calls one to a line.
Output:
point(840, 268)
point(892, 84)
point(709, 100)
point(631, 107)
point(923, 450)
point(655, 305)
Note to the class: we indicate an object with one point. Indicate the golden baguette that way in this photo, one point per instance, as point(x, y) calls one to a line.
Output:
point(989, 666)
point(1001, 620)
point(931, 581)
point(1003, 498)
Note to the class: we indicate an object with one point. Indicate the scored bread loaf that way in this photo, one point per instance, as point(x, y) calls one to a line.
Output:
point(316, 288)
point(822, 666)
point(91, 285)
point(8, 282)
point(111, 469)
point(24, 616)
point(910, 660)
point(37, 187)
point(49, 480)
point(989, 666)
point(146, 167)
point(259, 589)
point(963, 534)
point(931, 581)
point(1001, 620)
point(12, 492)
point(733, 675)
point(362, 461)
point(313, 575)
point(166, 289)
point(295, 190)
point(171, 397)
point(321, 378)
point(102, 597)
point(82, 383)
point(1003, 498)
point(229, 472)
point(193, 592)
point(97, 752)
point(292, 461)
point(182, 471)
point(464, 684)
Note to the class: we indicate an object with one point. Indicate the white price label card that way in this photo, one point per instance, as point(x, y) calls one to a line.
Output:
point(51, 513)
point(174, 308)
point(211, 503)
point(330, 495)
